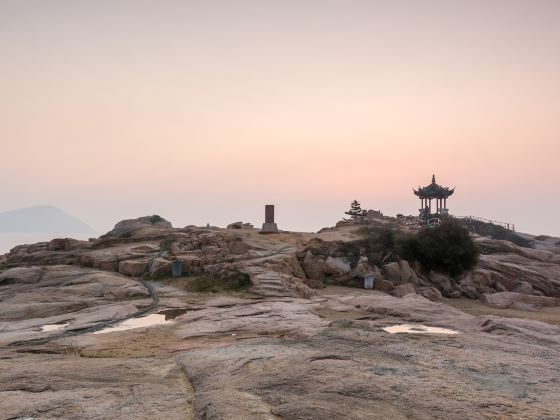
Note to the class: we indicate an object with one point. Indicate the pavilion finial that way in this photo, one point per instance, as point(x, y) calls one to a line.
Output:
point(433, 179)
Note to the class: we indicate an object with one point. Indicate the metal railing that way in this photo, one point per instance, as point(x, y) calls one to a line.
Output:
point(508, 226)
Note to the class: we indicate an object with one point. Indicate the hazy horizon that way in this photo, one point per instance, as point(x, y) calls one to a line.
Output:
point(203, 112)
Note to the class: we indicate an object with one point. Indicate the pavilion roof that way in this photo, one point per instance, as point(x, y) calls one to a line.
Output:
point(434, 190)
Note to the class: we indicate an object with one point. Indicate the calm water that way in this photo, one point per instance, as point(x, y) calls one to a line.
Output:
point(130, 324)
point(53, 327)
point(9, 240)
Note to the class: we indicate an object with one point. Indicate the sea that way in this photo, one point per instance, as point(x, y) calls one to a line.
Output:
point(10, 240)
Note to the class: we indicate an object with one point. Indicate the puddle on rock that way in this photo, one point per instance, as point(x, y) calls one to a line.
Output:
point(53, 327)
point(417, 329)
point(142, 322)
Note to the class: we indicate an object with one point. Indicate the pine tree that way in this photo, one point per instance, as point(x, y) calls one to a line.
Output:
point(355, 210)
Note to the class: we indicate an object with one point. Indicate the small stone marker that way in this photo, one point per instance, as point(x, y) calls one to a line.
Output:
point(269, 226)
point(368, 281)
point(176, 268)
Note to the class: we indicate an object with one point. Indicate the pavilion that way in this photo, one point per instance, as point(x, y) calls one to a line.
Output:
point(431, 192)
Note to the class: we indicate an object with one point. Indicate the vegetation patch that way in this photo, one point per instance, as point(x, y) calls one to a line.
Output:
point(138, 296)
point(342, 323)
point(231, 281)
point(215, 285)
point(159, 275)
point(156, 219)
point(165, 245)
point(379, 245)
point(447, 248)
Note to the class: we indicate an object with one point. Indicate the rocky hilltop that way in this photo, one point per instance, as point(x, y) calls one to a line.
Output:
point(276, 326)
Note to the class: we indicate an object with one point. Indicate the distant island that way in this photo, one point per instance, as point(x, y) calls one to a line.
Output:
point(41, 220)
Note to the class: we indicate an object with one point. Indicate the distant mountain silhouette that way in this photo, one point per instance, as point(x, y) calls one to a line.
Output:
point(41, 219)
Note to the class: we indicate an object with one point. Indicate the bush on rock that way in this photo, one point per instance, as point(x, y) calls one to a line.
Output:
point(446, 248)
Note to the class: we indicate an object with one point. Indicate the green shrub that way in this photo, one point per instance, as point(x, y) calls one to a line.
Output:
point(234, 280)
point(165, 245)
point(155, 219)
point(447, 248)
point(379, 245)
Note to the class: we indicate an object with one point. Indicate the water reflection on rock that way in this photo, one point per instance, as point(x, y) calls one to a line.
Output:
point(418, 329)
point(142, 322)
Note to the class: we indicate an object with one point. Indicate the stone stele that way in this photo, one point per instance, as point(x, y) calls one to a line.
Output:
point(269, 226)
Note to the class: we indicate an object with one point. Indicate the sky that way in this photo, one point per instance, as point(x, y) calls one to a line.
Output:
point(205, 111)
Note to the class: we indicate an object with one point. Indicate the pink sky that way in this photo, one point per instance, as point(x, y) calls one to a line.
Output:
point(205, 111)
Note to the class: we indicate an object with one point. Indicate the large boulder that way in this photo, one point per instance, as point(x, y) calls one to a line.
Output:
point(430, 293)
point(272, 283)
point(133, 268)
point(192, 264)
point(317, 267)
point(39, 292)
point(512, 269)
point(383, 285)
point(404, 289)
point(476, 283)
point(160, 267)
point(337, 266)
point(399, 272)
point(235, 225)
point(441, 282)
point(142, 226)
point(238, 247)
point(21, 275)
point(380, 283)
point(61, 244)
point(362, 268)
point(524, 288)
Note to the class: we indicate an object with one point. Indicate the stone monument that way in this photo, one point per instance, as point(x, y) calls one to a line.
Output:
point(269, 226)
